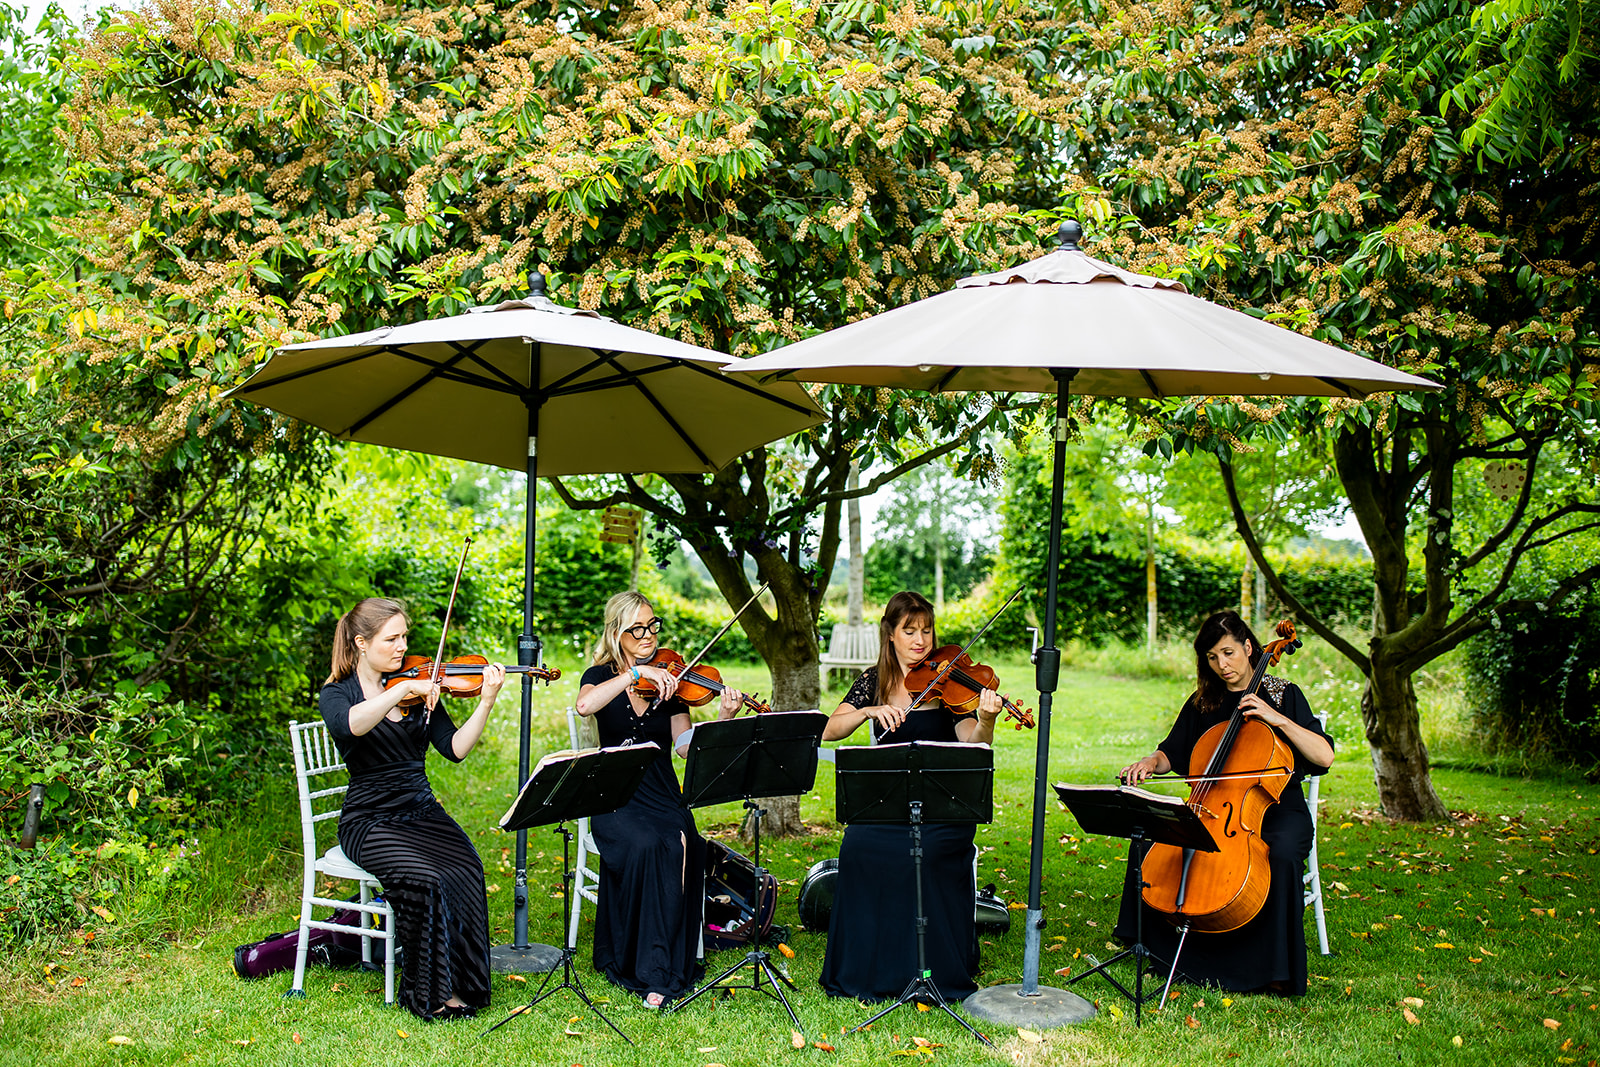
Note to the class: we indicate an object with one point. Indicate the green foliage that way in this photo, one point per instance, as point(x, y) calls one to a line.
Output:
point(1534, 683)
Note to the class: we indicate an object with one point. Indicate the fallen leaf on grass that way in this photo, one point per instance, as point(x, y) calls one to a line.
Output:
point(922, 1042)
point(823, 1045)
point(1191, 1022)
point(119, 1039)
point(570, 1032)
point(1566, 1046)
point(299, 1040)
point(708, 1048)
point(1414, 1002)
point(1063, 971)
point(788, 953)
point(1443, 944)
point(515, 978)
point(924, 1007)
point(14, 879)
point(1485, 951)
point(1030, 1036)
point(1227, 1002)
point(1552, 1024)
point(1456, 1041)
point(796, 1039)
point(79, 982)
point(1410, 1016)
point(103, 913)
point(242, 1040)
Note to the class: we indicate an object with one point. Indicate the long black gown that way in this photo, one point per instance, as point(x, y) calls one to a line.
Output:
point(1269, 950)
point(872, 937)
point(393, 826)
point(651, 907)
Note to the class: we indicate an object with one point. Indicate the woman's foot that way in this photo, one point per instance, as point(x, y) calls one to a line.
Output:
point(653, 999)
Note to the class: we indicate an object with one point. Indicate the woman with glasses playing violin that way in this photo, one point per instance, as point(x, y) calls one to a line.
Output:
point(391, 824)
point(872, 940)
point(648, 920)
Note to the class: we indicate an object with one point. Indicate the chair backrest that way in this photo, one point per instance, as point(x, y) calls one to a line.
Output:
point(314, 755)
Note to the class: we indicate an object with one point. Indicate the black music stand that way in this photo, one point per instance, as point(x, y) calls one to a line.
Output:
point(566, 788)
point(922, 781)
point(771, 755)
point(1145, 819)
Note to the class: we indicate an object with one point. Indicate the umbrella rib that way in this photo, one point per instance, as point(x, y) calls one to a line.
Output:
point(511, 383)
point(1155, 390)
point(610, 358)
point(251, 387)
point(944, 379)
point(747, 387)
point(387, 405)
point(1344, 387)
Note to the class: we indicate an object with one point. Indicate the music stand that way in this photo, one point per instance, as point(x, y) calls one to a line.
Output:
point(932, 781)
point(1145, 819)
point(771, 755)
point(570, 787)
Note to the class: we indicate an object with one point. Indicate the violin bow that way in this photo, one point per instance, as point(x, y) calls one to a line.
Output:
point(948, 667)
point(692, 664)
point(438, 658)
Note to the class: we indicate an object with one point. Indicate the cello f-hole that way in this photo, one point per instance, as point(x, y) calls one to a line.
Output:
point(1228, 821)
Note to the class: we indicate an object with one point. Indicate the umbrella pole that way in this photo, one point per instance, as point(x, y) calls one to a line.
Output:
point(1028, 1004)
point(520, 955)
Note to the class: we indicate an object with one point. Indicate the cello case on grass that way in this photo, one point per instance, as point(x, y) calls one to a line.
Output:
point(816, 901)
point(730, 918)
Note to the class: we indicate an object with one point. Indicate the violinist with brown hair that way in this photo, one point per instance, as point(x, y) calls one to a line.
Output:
point(392, 825)
point(872, 940)
point(1267, 953)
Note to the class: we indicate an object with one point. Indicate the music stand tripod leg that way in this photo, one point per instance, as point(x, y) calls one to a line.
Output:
point(569, 976)
point(756, 957)
point(922, 985)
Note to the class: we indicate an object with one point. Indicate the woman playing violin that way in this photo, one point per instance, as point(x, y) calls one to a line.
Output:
point(1269, 952)
point(392, 825)
point(652, 861)
point(872, 947)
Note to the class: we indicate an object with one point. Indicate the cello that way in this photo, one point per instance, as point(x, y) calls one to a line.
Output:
point(1237, 770)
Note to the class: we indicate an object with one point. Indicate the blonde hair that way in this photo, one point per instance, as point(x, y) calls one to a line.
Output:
point(364, 621)
point(619, 610)
point(902, 606)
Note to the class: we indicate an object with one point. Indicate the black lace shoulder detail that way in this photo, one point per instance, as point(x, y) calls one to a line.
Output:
point(1274, 687)
point(864, 693)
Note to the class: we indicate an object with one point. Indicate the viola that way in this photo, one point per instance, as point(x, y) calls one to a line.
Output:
point(961, 685)
point(458, 677)
point(1238, 770)
point(697, 685)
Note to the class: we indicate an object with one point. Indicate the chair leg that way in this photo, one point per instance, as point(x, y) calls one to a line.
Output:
point(298, 989)
point(390, 949)
point(1322, 923)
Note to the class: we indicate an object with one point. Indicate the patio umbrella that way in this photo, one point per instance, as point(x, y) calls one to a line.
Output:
point(533, 386)
point(1064, 321)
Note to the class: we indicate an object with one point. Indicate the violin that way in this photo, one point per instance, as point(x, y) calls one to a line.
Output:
point(961, 685)
point(1238, 770)
point(697, 686)
point(458, 677)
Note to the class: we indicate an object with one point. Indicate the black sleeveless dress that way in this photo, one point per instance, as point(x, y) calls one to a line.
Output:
point(651, 907)
point(1271, 948)
point(392, 826)
point(872, 937)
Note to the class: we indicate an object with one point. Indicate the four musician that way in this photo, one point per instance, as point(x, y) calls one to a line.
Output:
point(1269, 952)
point(647, 931)
point(872, 943)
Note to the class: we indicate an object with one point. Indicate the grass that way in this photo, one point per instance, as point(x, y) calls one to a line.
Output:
point(1486, 922)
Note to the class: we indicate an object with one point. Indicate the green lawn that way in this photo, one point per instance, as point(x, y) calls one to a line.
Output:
point(1487, 924)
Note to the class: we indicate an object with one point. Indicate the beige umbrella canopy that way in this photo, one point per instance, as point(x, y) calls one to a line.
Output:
point(610, 399)
point(1069, 320)
point(533, 386)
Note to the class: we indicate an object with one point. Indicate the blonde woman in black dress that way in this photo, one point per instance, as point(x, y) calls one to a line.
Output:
point(651, 905)
point(872, 940)
point(391, 823)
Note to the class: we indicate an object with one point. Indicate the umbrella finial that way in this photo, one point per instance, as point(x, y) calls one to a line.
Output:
point(1069, 234)
point(536, 284)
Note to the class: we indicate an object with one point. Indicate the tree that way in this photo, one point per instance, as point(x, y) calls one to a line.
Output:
point(1310, 167)
point(926, 537)
point(737, 175)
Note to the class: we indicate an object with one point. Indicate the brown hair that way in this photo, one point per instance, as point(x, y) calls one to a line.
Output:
point(902, 606)
point(364, 621)
point(619, 609)
point(1208, 688)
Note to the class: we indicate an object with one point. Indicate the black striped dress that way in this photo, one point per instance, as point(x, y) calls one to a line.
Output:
point(393, 827)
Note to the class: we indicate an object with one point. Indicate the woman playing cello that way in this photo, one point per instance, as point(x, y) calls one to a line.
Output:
point(1268, 953)
point(872, 946)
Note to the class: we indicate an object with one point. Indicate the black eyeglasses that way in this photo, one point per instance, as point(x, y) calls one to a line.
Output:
point(639, 632)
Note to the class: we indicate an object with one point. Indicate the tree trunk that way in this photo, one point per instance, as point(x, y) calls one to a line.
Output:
point(795, 686)
point(1399, 756)
point(1247, 594)
point(856, 595)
